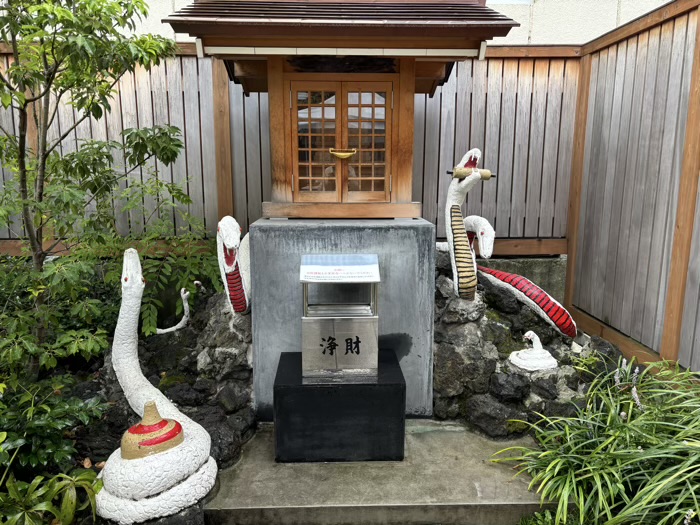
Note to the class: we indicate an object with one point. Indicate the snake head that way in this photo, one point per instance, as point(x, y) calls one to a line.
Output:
point(132, 276)
point(471, 159)
point(486, 235)
point(228, 239)
point(531, 337)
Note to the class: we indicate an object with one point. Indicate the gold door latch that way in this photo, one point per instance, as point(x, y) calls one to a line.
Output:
point(342, 153)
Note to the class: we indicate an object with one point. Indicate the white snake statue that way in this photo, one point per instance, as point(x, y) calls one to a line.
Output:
point(461, 255)
point(136, 490)
point(234, 262)
point(535, 358)
point(460, 238)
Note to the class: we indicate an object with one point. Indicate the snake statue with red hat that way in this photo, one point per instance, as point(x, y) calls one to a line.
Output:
point(163, 465)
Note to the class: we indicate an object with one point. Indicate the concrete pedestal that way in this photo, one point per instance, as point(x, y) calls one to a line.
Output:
point(406, 249)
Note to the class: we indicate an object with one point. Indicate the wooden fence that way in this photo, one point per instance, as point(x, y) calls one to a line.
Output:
point(689, 354)
point(519, 112)
point(634, 185)
point(178, 93)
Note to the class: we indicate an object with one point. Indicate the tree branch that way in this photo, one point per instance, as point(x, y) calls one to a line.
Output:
point(77, 123)
point(55, 109)
point(37, 253)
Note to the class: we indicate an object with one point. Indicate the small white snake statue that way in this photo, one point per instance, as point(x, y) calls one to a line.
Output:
point(460, 238)
point(156, 485)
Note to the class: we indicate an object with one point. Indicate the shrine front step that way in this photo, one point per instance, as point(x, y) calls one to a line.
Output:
point(446, 477)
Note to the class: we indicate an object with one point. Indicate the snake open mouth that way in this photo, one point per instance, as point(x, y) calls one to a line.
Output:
point(229, 255)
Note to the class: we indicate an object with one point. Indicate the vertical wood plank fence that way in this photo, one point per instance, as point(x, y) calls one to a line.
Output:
point(689, 354)
point(177, 93)
point(632, 234)
point(520, 113)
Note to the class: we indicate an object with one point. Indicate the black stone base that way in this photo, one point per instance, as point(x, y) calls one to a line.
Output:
point(339, 421)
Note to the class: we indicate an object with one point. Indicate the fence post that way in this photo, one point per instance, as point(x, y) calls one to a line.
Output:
point(685, 214)
point(577, 176)
point(222, 137)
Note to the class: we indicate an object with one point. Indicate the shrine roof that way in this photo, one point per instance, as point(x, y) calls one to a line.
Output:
point(371, 18)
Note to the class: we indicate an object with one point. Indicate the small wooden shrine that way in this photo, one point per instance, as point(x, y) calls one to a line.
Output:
point(341, 78)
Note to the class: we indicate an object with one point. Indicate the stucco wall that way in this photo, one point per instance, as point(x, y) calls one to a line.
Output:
point(567, 21)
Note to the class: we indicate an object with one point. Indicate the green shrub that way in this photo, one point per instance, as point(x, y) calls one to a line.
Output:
point(541, 518)
point(630, 456)
point(57, 313)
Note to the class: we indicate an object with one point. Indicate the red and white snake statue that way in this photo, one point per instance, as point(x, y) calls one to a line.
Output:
point(460, 238)
point(234, 262)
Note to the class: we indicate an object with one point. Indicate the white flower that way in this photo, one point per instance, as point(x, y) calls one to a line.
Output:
point(688, 516)
point(635, 396)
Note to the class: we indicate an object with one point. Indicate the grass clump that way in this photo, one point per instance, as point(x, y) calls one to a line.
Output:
point(630, 456)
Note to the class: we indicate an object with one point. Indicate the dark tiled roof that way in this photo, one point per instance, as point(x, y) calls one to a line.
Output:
point(414, 14)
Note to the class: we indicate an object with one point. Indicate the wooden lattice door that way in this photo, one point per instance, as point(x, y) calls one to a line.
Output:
point(341, 141)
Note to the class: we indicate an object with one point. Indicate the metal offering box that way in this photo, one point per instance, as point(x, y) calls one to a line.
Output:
point(340, 325)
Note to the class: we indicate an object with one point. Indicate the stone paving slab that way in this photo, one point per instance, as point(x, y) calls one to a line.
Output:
point(446, 478)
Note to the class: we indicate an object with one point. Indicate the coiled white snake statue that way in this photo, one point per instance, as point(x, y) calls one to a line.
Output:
point(460, 238)
point(157, 485)
point(234, 262)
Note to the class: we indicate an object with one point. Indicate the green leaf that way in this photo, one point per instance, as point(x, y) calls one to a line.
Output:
point(68, 504)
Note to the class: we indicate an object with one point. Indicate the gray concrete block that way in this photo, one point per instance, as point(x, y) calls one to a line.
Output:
point(406, 249)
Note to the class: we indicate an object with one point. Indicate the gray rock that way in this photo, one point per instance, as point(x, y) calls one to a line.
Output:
point(464, 336)
point(544, 383)
point(242, 421)
point(184, 394)
point(448, 370)
point(224, 363)
point(232, 397)
point(442, 262)
point(205, 386)
point(224, 328)
point(534, 403)
point(494, 418)
point(462, 311)
point(225, 444)
point(447, 407)
point(497, 330)
point(443, 292)
point(529, 320)
point(463, 362)
point(561, 352)
point(509, 387)
point(167, 351)
point(568, 376)
point(566, 405)
point(608, 353)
